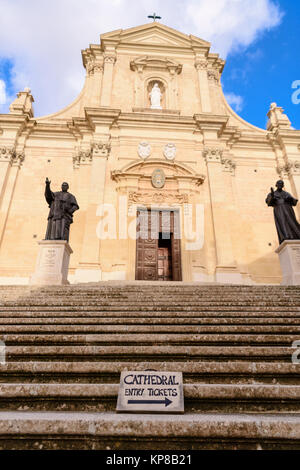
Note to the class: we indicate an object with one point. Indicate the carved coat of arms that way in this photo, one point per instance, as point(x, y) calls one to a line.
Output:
point(158, 178)
point(170, 151)
point(144, 150)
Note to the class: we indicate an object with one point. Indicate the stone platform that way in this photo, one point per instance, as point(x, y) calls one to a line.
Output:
point(66, 347)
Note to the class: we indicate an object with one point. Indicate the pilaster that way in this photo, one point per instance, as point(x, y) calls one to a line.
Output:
point(201, 65)
point(109, 59)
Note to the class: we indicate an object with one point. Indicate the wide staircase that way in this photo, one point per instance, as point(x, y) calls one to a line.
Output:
point(66, 347)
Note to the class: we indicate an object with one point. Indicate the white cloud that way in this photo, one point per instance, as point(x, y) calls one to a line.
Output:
point(44, 38)
point(232, 24)
point(2, 92)
point(235, 101)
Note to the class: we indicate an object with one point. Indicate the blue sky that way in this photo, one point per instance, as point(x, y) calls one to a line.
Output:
point(265, 71)
point(258, 38)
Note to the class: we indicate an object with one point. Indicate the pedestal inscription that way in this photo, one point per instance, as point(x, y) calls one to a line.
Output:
point(52, 263)
point(150, 392)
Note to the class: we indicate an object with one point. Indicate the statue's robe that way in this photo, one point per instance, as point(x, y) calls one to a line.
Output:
point(286, 223)
point(62, 206)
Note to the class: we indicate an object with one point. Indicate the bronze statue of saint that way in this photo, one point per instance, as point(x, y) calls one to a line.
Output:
point(286, 223)
point(62, 206)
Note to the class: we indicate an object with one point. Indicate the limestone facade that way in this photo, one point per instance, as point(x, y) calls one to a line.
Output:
point(215, 168)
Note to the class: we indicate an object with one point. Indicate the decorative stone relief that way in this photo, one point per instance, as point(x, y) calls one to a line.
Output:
point(6, 154)
point(101, 149)
point(157, 197)
point(201, 64)
point(109, 58)
point(93, 66)
point(144, 150)
point(82, 157)
point(213, 155)
point(158, 178)
point(9, 155)
point(213, 75)
point(18, 159)
point(291, 168)
point(229, 165)
point(170, 151)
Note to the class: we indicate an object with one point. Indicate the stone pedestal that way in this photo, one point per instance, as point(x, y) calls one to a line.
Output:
point(289, 256)
point(52, 263)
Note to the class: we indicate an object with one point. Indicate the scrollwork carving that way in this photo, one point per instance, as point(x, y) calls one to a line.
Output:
point(11, 156)
point(289, 169)
point(201, 64)
point(213, 75)
point(158, 197)
point(109, 59)
point(101, 149)
point(228, 165)
point(213, 155)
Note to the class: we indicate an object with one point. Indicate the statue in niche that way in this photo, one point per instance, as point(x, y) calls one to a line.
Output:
point(155, 97)
point(62, 206)
point(286, 223)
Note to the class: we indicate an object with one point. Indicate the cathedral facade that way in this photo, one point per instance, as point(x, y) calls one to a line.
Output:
point(170, 181)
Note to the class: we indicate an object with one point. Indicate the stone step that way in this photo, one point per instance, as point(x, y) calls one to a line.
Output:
point(108, 431)
point(41, 329)
point(149, 339)
point(103, 397)
point(109, 372)
point(66, 347)
point(136, 286)
point(150, 353)
point(46, 304)
point(123, 313)
point(158, 321)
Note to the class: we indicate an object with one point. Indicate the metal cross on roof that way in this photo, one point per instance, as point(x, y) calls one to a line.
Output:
point(155, 17)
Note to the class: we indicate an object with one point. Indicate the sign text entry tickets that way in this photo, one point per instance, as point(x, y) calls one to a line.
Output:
point(150, 392)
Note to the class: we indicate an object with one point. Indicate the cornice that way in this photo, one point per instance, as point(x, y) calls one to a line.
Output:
point(13, 120)
point(155, 63)
point(102, 116)
point(288, 134)
point(211, 122)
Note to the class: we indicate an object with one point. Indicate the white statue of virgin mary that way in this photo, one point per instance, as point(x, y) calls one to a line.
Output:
point(155, 97)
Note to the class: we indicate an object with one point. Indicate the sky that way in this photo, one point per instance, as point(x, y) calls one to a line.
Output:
point(41, 43)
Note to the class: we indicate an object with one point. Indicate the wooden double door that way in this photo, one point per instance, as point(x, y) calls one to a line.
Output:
point(158, 250)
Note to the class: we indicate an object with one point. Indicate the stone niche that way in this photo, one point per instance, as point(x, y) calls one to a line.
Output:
point(151, 70)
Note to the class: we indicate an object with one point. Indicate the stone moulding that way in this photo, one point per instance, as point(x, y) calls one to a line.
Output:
point(155, 63)
point(136, 171)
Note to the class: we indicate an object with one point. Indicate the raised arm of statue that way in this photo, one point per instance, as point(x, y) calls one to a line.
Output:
point(49, 196)
point(270, 198)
